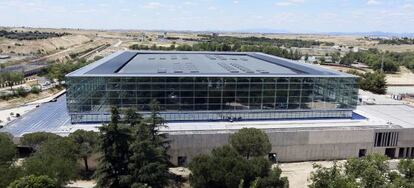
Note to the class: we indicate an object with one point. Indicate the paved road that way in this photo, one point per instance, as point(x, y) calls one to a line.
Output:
point(48, 117)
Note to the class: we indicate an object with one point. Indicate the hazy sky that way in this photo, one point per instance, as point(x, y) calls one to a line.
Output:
point(223, 15)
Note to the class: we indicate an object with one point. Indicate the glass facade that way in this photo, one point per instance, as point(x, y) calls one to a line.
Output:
point(214, 98)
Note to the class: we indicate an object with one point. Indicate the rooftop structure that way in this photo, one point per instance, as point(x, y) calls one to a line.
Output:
point(249, 64)
point(209, 86)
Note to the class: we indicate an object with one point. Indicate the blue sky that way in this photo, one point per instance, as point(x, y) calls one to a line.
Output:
point(222, 15)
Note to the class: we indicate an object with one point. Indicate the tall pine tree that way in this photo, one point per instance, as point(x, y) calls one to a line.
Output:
point(149, 161)
point(113, 165)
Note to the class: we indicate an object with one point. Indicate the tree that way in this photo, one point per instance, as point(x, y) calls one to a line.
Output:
point(15, 77)
point(346, 61)
point(155, 121)
point(56, 159)
point(149, 161)
point(374, 82)
point(114, 142)
point(8, 171)
point(35, 140)
point(86, 143)
point(241, 164)
point(225, 167)
point(7, 150)
point(132, 118)
point(36, 89)
point(369, 172)
point(34, 182)
point(406, 167)
point(251, 142)
point(274, 180)
point(331, 177)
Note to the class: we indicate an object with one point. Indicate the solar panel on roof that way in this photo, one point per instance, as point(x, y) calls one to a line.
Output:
point(184, 57)
point(203, 63)
point(228, 67)
point(242, 68)
point(263, 71)
point(191, 67)
point(162, 70)
point(177, 67)
point(174, 57)
point(220, 57)
point(210, 57)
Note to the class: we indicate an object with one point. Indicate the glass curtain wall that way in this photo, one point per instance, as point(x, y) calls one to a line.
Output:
point(211, 95)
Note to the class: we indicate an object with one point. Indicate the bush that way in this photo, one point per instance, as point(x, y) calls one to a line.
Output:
point(35, 89)
point(373, 82)
point(34, 182)
point(20, 91)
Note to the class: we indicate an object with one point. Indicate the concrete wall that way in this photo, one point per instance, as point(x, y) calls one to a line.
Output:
point(320, 145)
point(290, 146)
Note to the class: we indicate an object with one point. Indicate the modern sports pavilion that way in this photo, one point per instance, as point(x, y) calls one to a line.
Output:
point(209, 86)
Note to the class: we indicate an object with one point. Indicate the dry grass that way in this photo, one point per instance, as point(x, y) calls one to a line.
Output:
point(18, 101)
point(405, 76)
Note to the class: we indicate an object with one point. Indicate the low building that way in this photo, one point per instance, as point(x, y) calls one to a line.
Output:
point(385, 129)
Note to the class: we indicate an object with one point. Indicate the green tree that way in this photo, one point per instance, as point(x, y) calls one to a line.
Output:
point(7, 150)
point(15, 78)
point(8, 171)
point(333, 177)
point(113, 164)
point(155, 122)
point(374, 82)
point(149, 161)
point(35, 140)
point(20, 91)
point(223, 168)
point(86, 143)
point(346, 61)
point(55, 158)
point(369, 172)
point(371, 169)
point(273, 180)
point(406, 167)
point(251, 142)
point(11, 78)
point(35, 89)
point(132, 118)
point(34, 182)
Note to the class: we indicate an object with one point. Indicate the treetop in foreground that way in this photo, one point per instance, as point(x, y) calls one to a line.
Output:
point(251, 142)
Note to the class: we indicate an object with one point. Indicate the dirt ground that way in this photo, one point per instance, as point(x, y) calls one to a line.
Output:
point(82, 184)
point(49, 45)
point(405, 76)
point(299, 173)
